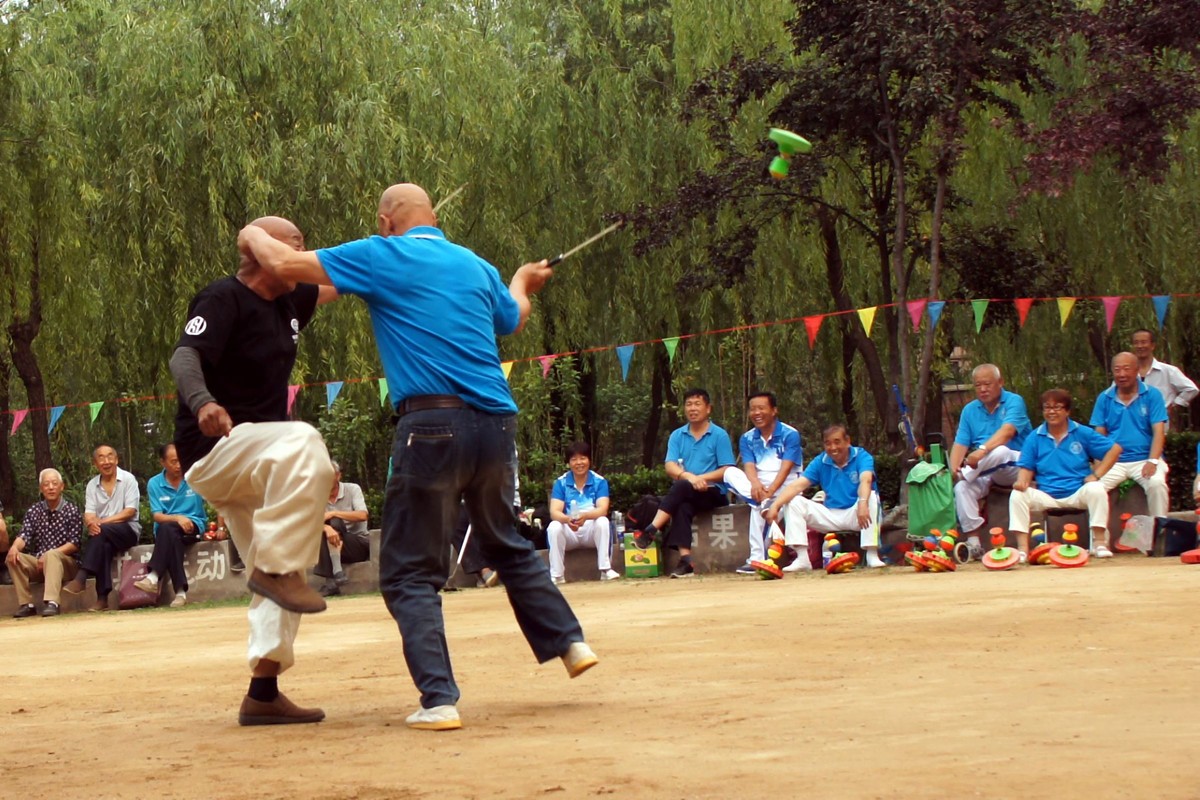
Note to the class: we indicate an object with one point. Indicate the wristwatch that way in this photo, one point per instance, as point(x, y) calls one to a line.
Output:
point(983, 447)
point(1153, 461)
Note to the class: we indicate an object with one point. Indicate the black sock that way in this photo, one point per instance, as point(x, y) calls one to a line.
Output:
point(264, 690)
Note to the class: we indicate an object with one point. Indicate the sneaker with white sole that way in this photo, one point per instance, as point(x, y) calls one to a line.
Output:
point(180, 600)
point(438, 718)
point(557, 581)
point(975, 550)
point(746, 569)
point(578, 659)
point(610, 575)
point(1102, 552)
point(146, 585)
point(801, 562)
point(1022, 557)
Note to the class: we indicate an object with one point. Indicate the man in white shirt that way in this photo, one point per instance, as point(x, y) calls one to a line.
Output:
point(1178, 390)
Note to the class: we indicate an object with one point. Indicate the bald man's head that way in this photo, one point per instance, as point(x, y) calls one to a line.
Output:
point(1125, 371)
point(252, 273)
point(404, 206)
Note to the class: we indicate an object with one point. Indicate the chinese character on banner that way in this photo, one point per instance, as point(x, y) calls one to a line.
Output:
point(210, 565)
point(722, 536)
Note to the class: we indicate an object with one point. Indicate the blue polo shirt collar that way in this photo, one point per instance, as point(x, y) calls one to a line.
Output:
point(424, 232)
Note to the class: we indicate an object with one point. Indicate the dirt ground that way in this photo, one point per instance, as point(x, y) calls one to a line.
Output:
point(1033, 683)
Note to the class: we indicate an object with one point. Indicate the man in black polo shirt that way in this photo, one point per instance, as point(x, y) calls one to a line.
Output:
point(46, 548)
point(266, 476)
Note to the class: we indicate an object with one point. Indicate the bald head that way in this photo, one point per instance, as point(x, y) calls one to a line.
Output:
point(1125, 371)
point(404, 206)
point(250, 272)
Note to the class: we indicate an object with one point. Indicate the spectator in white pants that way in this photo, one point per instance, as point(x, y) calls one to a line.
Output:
point(987, 445)
point(579, 515)
point(1134, 415)
point(1059, 453)
point(847, 474)
point(771, 457)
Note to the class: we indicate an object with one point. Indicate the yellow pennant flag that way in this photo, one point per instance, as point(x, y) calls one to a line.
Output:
point(506, 366)
point(867, 317)
point(1065, 304)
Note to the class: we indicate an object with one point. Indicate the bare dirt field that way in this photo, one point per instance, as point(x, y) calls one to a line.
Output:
point(1035, 683)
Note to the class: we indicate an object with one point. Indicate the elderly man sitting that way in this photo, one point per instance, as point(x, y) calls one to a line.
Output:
point(46, 547)
point(111, 503)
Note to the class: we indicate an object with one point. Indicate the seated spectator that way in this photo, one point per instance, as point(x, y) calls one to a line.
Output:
point(46, 547)
point(698, 454)
point(847, 475)
point(344, 537)
point(110, 514)
point(772, 457)
point(579, 515)
point(1134, 415)
point(1059, 453)
point(179, 520)
point(991, 430)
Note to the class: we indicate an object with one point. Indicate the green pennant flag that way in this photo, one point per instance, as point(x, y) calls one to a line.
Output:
point(671, 344)
point(95, 409)
point(980, 307)
point(383, 392)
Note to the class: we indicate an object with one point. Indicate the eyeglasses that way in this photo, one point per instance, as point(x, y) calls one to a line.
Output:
point(1054, 408)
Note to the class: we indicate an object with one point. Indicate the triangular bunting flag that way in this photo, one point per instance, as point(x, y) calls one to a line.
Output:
point(546, 362)
point(18, 418)
point(1110, 310)
point(1161, 303)
point(671, 344)
point(292, 392)
point(624, 355)
point(867, 317)
point(55, 414)
point(935, 311)
point(506, 368)
point(1023, 305)
point(915, 309)
point(980, 308)
point(1065, 304)
point(94, 408)
point(332, 390)
point(383, 392)
point(812, 325)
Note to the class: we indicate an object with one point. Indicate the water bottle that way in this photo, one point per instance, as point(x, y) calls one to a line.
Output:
point(618, 526)
point(573, 510)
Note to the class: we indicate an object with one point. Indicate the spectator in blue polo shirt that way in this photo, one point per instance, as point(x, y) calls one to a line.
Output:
point(1134, 415)
point(179, 519)
point(986, 447)
point(847, 474)
point(1059, 453)
point(697, 455)
point(579, 515)
point(772, 457)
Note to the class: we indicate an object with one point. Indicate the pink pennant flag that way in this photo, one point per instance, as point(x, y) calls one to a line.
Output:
point(292, 392)
point(18, 418)
point(915, 309)
point(546, 362)
point(1023, 305)
point(1110, 310)
point(812, 325)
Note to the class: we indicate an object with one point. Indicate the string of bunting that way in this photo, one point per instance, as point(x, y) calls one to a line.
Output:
point(917, 310)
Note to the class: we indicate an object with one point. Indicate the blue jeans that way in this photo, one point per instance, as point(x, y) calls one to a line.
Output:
point(440, 456)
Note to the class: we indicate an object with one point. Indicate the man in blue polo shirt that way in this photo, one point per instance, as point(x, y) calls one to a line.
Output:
point(436, 309)
point(986, 448)
point(1134, 415)
point(1059, 453)
point(697, 455)
point(579, 515)
point(847, 474)
point(772, 456)
point(179, 519)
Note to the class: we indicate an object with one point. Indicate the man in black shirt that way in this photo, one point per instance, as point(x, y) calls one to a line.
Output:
point(267, 477)
point(46, 548)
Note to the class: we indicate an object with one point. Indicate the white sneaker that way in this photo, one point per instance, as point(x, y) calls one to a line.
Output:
point(975, 549)
point(557, 580)
point(802, 562)
point(1102, 552)
point(147, 584)
point(610, 575)
point(438, 718)
point(873, 559)
point(1022, 557)
point(180, 600)
point(578, 659)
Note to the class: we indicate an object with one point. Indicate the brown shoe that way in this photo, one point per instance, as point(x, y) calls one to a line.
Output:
point(101, 604)
point(75, 586)
point(279, 711)
point(289, 591)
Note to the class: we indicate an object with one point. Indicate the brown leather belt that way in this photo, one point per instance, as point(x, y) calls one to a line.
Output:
point(424, 402)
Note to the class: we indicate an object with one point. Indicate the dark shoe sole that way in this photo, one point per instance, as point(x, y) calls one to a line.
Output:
point(279, 600)
point(274, 719)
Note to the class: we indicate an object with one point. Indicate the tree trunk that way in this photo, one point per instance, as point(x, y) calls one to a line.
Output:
point(660, 389)
point(935, 270)
point(7, 497)
point(23, 333)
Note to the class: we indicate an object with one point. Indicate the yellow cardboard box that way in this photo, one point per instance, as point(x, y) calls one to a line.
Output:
point(641, 563)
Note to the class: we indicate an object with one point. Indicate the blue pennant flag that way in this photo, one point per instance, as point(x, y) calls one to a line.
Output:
point(625, 354)
point(331, 391)
point(1161, 302)
point(55, 414)
point(934, 308)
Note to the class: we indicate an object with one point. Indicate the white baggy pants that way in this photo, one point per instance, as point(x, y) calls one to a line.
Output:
point(1091, 496)
point(1157, 498)
point(270, 481)
point(998, 466)
point(592, 533)
point(739, 482)
point(803, 514)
